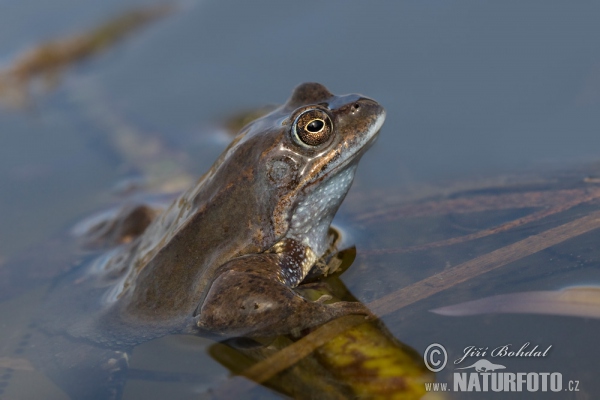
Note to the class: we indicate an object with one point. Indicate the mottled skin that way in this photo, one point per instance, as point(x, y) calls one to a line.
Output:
point(225, 256)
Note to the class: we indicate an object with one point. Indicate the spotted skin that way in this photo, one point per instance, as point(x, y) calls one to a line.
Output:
point(245, 235)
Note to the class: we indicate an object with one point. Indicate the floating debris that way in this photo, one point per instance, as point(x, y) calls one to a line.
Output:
point(48, 60)
point(579, 301)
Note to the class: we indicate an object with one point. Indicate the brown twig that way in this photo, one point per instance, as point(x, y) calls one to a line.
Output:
point(482, 264)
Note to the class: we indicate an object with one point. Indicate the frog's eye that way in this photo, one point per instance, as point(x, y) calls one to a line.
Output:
point(312, 128)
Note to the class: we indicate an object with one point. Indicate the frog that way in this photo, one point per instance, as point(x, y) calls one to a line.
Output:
point(225, 258)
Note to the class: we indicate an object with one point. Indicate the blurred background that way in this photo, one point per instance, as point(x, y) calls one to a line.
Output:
point(471, 88)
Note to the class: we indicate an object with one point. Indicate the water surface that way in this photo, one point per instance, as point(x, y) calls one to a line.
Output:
point(473, 90)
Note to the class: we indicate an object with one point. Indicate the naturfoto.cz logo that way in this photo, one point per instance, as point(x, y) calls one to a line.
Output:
point(484, 376)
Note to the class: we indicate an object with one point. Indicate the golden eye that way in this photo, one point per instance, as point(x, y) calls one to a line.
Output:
point(312, 128)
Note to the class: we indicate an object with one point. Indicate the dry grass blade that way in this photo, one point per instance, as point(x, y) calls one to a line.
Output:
point(263, 371)
point(536, 216)
point(564, 200)
point(482, 264)
point(466, 204)
point(290, 355)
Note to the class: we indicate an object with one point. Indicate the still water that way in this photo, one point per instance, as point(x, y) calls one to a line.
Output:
point(478, 95)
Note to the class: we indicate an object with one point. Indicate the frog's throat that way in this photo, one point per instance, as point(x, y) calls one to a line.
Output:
point(313, 214)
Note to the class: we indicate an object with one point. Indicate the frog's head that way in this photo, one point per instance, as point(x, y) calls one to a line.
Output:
point(310, 148)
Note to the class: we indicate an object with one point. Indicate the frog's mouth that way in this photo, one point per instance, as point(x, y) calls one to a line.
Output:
point(359, 143)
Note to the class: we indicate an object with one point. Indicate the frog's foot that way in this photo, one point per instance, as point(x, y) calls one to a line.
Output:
point(244, 302)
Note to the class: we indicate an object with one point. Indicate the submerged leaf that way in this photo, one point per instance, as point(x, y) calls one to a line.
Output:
point(374, 364)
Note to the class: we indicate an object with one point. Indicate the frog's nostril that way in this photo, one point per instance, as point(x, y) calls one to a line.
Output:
point(356, 106)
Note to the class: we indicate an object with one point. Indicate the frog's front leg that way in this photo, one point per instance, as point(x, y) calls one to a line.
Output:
point(253, 296)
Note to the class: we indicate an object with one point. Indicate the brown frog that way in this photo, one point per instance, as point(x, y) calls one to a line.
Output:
point(225, 256)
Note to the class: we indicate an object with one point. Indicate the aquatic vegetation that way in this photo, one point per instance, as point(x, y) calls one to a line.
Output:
point(48, 60)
